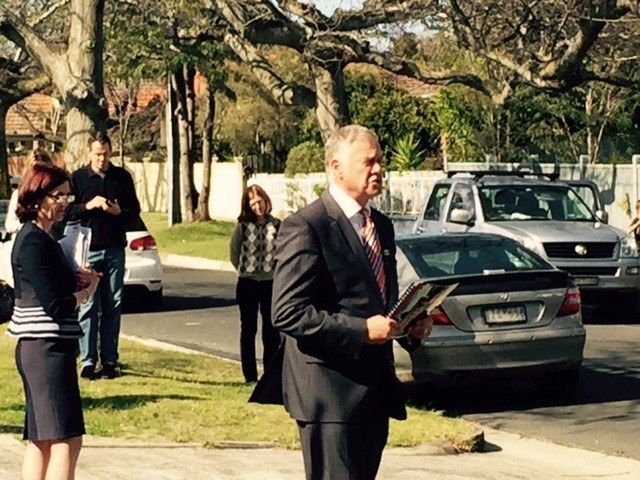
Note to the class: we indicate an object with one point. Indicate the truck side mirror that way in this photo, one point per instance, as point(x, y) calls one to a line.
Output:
point(460, 215)
point(602, 216)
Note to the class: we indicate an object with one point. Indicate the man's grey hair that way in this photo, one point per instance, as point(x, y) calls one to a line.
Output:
point(343, 136)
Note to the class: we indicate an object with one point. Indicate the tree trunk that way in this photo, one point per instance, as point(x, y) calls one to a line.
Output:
point(77, 72)
point(588, 108)
point(82, 86)
point(190, 100)
point(202, 212)
point(173, 153)
point(331, 105)
point(186, 202)
point(5, 185)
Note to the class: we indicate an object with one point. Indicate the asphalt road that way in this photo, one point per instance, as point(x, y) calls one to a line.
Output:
point(200, 313)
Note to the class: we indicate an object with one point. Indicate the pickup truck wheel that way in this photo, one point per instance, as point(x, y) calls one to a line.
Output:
point(558, 385)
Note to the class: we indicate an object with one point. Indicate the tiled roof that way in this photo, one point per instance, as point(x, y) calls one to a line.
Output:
point(413, 86)
point(31, 115)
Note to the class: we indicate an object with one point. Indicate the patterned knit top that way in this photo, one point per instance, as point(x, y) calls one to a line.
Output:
point(252, 248)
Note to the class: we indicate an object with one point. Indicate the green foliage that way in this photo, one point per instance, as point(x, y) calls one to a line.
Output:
point(544, 123)
point(222, 148)
point(305, 158)
point(458, 122)
point(406, 45)
point(390, 112)
point(255, 123)
point(625, 204)
point(319, 188)
point(309, 129)
point(406, 154)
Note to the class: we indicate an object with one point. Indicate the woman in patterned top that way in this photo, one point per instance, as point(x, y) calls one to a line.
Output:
point(252, 253)
point(47, 294)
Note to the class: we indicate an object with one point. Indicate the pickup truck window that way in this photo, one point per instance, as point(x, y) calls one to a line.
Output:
point(509, 203)
point(436, 201)
point(587, 195)
point(461, 199)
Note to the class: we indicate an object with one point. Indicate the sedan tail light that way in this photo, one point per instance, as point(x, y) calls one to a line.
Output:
point(571, 303)
point(439, 317)
point(143, 243)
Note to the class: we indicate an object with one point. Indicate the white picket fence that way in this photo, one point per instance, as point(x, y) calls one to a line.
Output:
point(406, 191)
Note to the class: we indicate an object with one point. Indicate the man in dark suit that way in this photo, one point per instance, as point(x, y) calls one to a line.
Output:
point(333, 285)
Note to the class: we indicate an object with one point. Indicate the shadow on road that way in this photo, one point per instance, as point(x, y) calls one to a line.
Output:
point(173, 303)
point(178, 303)
point(600, 316)
point(598, 384)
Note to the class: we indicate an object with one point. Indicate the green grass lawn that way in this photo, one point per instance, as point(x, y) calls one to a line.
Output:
point(199, 239)
point(165, 395)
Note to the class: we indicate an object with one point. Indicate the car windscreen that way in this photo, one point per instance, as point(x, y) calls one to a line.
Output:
point(446, 255)
point(533, 202)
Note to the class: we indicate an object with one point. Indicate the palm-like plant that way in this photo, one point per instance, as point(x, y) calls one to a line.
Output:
point(407, 154)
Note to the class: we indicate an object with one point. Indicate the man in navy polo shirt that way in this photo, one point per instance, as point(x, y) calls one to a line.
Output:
point(105, 201)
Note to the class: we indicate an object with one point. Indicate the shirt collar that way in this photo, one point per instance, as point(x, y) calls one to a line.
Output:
point(347, 204)
point(100, 174)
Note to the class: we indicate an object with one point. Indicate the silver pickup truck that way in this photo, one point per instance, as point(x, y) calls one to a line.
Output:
point(549, 217)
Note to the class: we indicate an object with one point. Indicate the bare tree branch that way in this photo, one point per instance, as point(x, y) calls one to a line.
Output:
point(284, 93)
point(25, 37)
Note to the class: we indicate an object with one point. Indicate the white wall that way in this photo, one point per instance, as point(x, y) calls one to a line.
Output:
point(404, 192)
point(151, 182)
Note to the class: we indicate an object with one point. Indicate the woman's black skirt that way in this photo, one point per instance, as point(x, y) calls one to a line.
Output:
point(48, 370)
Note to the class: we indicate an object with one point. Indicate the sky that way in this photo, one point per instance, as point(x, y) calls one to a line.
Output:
point(328, 6)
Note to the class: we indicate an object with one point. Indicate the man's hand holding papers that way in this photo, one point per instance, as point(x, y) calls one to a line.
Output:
point(412, 309)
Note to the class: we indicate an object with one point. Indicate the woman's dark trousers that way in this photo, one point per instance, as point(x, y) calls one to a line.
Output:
point(251, 296)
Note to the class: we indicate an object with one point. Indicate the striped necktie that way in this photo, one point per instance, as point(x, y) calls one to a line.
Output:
point(373, 251)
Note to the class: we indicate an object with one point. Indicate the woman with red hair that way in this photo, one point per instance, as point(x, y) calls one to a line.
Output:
point(47, 294)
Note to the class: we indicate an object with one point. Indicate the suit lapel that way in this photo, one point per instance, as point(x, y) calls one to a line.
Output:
point(341, 223)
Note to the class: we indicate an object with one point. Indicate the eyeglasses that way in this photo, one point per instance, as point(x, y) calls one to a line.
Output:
point(62, 197)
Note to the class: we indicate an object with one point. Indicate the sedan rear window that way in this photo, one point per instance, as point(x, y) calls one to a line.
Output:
point(447, 255)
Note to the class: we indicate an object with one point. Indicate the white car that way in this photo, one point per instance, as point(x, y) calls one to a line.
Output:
point(143, 269)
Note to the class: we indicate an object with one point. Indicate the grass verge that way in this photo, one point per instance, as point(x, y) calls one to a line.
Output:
point(171, 396)
point(199, 239)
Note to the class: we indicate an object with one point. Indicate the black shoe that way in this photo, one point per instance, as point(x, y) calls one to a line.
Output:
point(109, 371)
point(88, 372)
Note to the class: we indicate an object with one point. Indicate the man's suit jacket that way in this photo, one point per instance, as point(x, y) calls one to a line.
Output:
point(324, 290)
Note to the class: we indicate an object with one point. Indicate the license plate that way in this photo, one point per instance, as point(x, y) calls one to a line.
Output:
point(505, 315)
point(586, 280)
